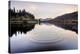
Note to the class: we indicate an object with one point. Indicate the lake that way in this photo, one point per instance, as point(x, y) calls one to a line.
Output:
point(44, 37)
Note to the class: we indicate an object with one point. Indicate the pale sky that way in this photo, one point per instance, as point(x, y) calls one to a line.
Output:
point(44, 10)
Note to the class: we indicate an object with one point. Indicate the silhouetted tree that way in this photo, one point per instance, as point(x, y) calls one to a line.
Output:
point(19, 13)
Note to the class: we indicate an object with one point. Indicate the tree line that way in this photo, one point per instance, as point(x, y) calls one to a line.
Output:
point(19, 13)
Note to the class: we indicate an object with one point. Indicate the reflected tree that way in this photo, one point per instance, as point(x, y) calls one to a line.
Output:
point(21, 28)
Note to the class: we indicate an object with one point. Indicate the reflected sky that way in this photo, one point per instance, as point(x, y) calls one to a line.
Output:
point(44, 10)
point(44, 37)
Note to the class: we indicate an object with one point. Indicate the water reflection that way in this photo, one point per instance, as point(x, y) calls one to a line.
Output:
point(14, 28)
point(42, 38)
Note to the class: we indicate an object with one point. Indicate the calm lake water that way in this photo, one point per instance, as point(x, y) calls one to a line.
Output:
point(42, 38)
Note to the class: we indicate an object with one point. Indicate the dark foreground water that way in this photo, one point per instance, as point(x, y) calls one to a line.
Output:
point(42, 38)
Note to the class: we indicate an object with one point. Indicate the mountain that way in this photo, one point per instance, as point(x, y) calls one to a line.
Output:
point(68, 16)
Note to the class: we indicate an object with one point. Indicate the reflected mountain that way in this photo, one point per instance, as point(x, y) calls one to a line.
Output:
point(67, 21)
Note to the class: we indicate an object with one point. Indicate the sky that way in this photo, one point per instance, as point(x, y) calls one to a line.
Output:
point(44, 10)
